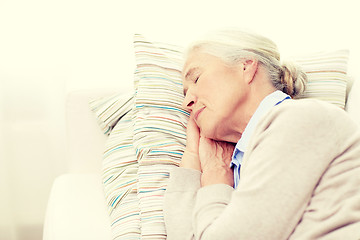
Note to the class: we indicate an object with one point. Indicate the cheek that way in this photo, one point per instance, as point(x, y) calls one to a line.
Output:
point(209, 124)
point(222, 119)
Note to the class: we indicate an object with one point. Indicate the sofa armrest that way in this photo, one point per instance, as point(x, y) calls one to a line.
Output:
point(76, 209)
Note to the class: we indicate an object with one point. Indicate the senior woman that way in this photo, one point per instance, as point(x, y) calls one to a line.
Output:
point(258, 164)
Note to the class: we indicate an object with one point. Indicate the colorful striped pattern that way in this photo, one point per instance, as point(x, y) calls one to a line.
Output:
point(109, 110)
point(120, 165)
point(159, 128)
point(146, 139)
point(327, 76)
point(120, 170)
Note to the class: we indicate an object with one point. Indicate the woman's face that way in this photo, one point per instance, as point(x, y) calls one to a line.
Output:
point(214, 93)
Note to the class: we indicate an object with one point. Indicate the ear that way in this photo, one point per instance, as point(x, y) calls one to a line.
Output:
point(250, 67)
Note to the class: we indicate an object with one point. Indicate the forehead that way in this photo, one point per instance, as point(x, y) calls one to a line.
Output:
point(195, 62)
point(198, 61)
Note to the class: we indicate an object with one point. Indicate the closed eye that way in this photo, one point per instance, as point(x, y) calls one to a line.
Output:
point(196, 79)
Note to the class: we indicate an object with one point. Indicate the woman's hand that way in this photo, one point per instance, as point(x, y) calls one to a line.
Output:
point(215, 158)
point(190, 158)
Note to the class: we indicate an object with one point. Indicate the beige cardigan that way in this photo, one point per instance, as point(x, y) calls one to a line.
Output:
point(300, 179)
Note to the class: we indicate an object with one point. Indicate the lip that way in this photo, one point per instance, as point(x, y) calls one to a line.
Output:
point(198, 113)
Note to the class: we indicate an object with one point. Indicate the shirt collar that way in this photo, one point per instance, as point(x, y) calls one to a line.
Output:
point(266, 104)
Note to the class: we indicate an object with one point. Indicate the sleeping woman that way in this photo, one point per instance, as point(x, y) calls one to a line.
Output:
point(259, 163)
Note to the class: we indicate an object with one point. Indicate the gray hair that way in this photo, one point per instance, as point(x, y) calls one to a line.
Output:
point(233, 46)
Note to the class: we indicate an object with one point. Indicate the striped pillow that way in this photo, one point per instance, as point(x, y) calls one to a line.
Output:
point(120, 169)
point(110, 109)
point(146, 139)
point(327, 76)
point(114, 114)
point(159, 127)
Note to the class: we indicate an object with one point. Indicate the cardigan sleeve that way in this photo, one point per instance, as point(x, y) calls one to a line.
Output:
point(179, 202)
point(180, 198)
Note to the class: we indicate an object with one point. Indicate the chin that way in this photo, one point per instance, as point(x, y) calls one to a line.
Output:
point(209, 133)
point(215, 133)
point(205, 132)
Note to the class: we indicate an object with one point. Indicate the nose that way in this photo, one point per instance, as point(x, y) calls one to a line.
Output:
point(189, 101)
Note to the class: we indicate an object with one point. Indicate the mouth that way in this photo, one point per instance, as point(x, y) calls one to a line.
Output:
point(196, 116)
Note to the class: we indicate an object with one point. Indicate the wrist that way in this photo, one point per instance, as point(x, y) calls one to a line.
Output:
point(217, 176)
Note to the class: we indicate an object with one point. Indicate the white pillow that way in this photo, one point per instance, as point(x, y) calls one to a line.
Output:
point(327, 76)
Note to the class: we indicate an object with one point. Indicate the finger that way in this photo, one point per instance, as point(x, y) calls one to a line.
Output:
point(192, 136)
point(206, 144)
point(207, 150)
point(190, 160)
point(228, 149)
point(192, 129)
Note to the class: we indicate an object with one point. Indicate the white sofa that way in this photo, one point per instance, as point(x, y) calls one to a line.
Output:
point(76, 207)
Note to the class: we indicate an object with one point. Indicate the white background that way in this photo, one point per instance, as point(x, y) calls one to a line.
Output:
point(49, 48)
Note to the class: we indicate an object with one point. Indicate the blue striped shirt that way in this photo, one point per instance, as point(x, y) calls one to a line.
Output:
point(266, 104)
